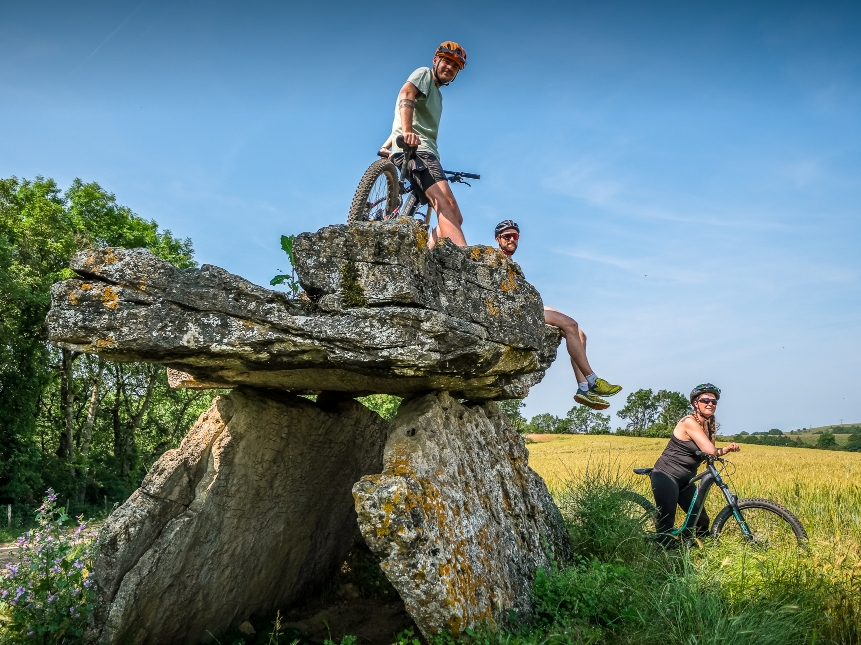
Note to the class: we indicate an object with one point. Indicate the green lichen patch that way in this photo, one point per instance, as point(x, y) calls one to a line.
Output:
point(352, 293)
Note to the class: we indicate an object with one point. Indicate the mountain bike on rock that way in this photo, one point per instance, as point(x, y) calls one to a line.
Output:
point(383, 194)
point(757, 522)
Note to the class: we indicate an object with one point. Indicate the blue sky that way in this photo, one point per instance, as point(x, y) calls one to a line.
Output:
point(686, 176)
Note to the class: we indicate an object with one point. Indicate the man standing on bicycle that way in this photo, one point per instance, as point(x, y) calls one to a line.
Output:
point(590, 388)
point(417, 116)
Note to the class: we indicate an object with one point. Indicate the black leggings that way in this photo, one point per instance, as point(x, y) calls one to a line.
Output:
point(669, 492)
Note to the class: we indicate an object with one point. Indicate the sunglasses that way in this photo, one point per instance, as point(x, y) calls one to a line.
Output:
point(708, 401)
point(510, 236)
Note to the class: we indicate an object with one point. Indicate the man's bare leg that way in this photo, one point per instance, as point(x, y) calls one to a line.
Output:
point(575, 341)
point(448, 218)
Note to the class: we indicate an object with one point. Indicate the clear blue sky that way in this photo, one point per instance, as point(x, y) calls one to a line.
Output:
point(687, 176)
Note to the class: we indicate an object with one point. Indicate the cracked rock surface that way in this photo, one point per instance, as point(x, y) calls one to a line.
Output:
point(252, 512)
point(384, 315)
point(458, 519)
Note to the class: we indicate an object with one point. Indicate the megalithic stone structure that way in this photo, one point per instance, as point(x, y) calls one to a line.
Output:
point(259, 504)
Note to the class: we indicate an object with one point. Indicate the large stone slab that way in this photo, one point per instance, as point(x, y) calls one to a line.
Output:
point(250, 514)
point(466, 321)
point(388, 263)
point(457, 517)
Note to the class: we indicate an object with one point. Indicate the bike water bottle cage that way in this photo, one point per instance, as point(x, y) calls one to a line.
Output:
point(704, 388)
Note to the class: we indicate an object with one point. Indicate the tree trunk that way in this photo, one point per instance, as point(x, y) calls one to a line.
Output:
point(67, 394)
point(115, 413)
point(87, 434)
point(127, 438)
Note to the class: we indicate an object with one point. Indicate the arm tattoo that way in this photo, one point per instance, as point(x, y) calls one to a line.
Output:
point(406, 103)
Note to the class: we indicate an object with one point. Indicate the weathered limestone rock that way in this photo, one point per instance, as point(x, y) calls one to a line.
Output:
point(457, 517)
point(391, 265)
point(462, 320)
point(251, 513)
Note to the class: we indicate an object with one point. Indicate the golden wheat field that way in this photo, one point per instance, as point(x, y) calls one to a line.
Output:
point(822, 488)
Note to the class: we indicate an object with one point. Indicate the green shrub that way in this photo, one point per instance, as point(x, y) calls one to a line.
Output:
point(47, 594)
point(596, 510)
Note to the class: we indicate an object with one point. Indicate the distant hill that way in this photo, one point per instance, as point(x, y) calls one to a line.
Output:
point(844, 428)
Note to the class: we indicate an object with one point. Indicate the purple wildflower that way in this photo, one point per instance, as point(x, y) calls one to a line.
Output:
point(19, 592)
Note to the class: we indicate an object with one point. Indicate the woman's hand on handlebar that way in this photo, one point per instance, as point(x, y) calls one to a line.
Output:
point(733, 447)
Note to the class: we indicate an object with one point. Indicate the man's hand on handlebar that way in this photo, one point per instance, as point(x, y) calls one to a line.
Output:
point(412, 139)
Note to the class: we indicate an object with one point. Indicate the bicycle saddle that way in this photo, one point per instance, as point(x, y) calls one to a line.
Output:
point(643, 471)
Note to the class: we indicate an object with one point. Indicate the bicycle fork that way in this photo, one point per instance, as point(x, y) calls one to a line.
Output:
point(712, 476)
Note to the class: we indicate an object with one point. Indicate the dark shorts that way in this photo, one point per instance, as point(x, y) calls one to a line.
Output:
point(428, 169)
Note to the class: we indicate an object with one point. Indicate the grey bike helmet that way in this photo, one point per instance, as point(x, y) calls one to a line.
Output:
point(505, 225)
point(704, 388)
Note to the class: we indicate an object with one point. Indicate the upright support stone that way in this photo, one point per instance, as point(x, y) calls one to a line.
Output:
point(457, 517)
point(251, 513)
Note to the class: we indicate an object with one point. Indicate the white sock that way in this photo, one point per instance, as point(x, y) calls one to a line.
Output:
point(584, 386)
point(591, 379)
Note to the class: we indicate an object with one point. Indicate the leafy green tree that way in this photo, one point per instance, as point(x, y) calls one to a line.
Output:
point(546, 423)
point(853, 443)
point(55, 404)
point(672, 406)
point(582, 420)
point(660, 412)
point(641, 411)
point(511, 408)
point(826, 441)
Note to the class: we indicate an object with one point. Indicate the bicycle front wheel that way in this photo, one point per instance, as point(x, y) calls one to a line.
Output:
point(377, 196)
point(763, 524)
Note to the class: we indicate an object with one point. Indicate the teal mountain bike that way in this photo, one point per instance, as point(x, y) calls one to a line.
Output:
point(758, 522)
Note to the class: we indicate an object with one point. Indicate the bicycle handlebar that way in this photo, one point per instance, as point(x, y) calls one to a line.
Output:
point(403, 146)
point(411, 150)
point(707, 456)
point(468, 175)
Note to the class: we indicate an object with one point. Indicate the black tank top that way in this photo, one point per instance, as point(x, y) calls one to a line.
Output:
point(679, 459)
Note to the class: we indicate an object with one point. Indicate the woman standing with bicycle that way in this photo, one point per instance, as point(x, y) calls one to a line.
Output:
point(679, 462)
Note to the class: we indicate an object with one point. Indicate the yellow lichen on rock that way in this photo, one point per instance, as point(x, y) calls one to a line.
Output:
point(110, 297)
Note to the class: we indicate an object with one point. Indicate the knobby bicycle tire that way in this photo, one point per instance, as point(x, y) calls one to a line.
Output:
point(772, 525)
point(379, 182)
point(640, 509)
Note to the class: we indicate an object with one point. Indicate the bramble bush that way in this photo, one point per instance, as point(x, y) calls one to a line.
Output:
point(47, 596)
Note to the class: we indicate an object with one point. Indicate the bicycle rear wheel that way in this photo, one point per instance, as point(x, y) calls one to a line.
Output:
point(377, 196)
point(770, 525)
point(639, 509)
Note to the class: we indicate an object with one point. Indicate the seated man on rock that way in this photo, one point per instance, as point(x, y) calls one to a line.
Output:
point(591, 388)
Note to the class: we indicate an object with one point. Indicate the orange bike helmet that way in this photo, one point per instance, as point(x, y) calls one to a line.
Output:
point(453, 52)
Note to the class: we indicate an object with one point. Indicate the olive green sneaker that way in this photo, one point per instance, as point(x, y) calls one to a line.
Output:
point(591, 400)
point(603, 388)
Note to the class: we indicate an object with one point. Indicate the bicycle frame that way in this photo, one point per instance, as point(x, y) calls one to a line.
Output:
point(707, 479)
point(405, 175)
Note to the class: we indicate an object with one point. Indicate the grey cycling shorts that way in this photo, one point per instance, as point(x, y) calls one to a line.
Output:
point(427, 168)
